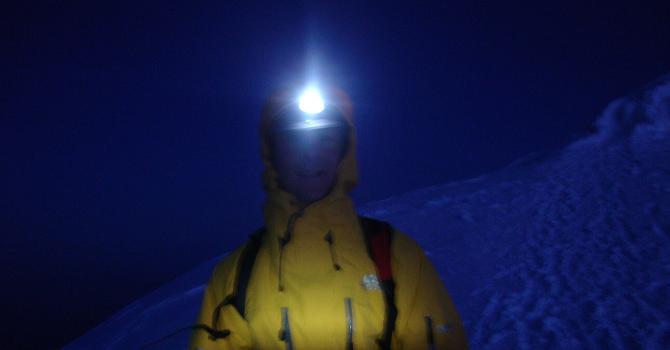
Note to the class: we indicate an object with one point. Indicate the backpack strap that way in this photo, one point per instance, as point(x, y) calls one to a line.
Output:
point(245, 266)
point(378, 236)
point(239, 295)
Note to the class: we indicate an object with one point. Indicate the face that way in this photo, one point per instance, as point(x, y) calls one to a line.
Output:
point(307, 161)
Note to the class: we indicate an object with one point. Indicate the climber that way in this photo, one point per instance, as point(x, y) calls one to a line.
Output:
point(318, 275)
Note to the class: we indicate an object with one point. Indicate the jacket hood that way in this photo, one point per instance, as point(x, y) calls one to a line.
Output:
point(280, 204)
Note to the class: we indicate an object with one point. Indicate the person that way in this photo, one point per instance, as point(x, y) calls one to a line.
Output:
point(313, 284)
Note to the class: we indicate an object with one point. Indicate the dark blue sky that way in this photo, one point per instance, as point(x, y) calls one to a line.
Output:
point(129, 131)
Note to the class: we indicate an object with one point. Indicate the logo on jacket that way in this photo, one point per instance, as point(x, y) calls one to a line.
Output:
point(371, 282)
point(444, 327)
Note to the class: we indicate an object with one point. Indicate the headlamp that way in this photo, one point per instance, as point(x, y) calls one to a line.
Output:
point(309, 112)
point(311, 102)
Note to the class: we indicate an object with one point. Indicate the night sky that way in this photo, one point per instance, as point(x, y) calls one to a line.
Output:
point(129, 132)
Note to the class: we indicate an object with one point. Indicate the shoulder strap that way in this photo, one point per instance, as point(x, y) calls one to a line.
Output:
point(378, 236)
point(245, 265)
point(237, 298)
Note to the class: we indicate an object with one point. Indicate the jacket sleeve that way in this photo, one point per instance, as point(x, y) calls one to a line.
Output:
point(427, 317)
point(226, 318)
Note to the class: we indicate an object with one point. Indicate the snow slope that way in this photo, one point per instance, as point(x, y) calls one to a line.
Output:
point(569, 250)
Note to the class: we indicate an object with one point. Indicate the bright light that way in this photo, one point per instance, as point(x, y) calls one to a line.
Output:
point(311, 102)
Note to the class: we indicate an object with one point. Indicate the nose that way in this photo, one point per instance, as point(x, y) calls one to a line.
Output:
point(310, 153)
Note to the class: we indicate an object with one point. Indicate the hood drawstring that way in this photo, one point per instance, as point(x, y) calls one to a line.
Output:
point(283, 241)
point(331, 248)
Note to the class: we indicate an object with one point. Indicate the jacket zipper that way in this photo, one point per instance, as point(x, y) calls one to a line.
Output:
point(331, 248)
point(350, 323)
point(282, 243)
point(285, 333)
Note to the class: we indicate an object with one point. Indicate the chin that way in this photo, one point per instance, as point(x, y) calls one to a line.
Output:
point(313, 196)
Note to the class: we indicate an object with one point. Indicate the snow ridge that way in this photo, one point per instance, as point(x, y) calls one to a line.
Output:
point(570, 252)
point(643, 115)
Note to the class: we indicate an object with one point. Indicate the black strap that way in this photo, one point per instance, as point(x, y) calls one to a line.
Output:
point(391, 314)
point(245, 266)
point(238, 298)
point(213, 334)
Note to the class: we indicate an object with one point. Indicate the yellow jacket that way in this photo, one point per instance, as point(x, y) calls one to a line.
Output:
point(304, 287)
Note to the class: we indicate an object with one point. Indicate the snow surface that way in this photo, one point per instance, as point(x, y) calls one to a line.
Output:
point(569, 250)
